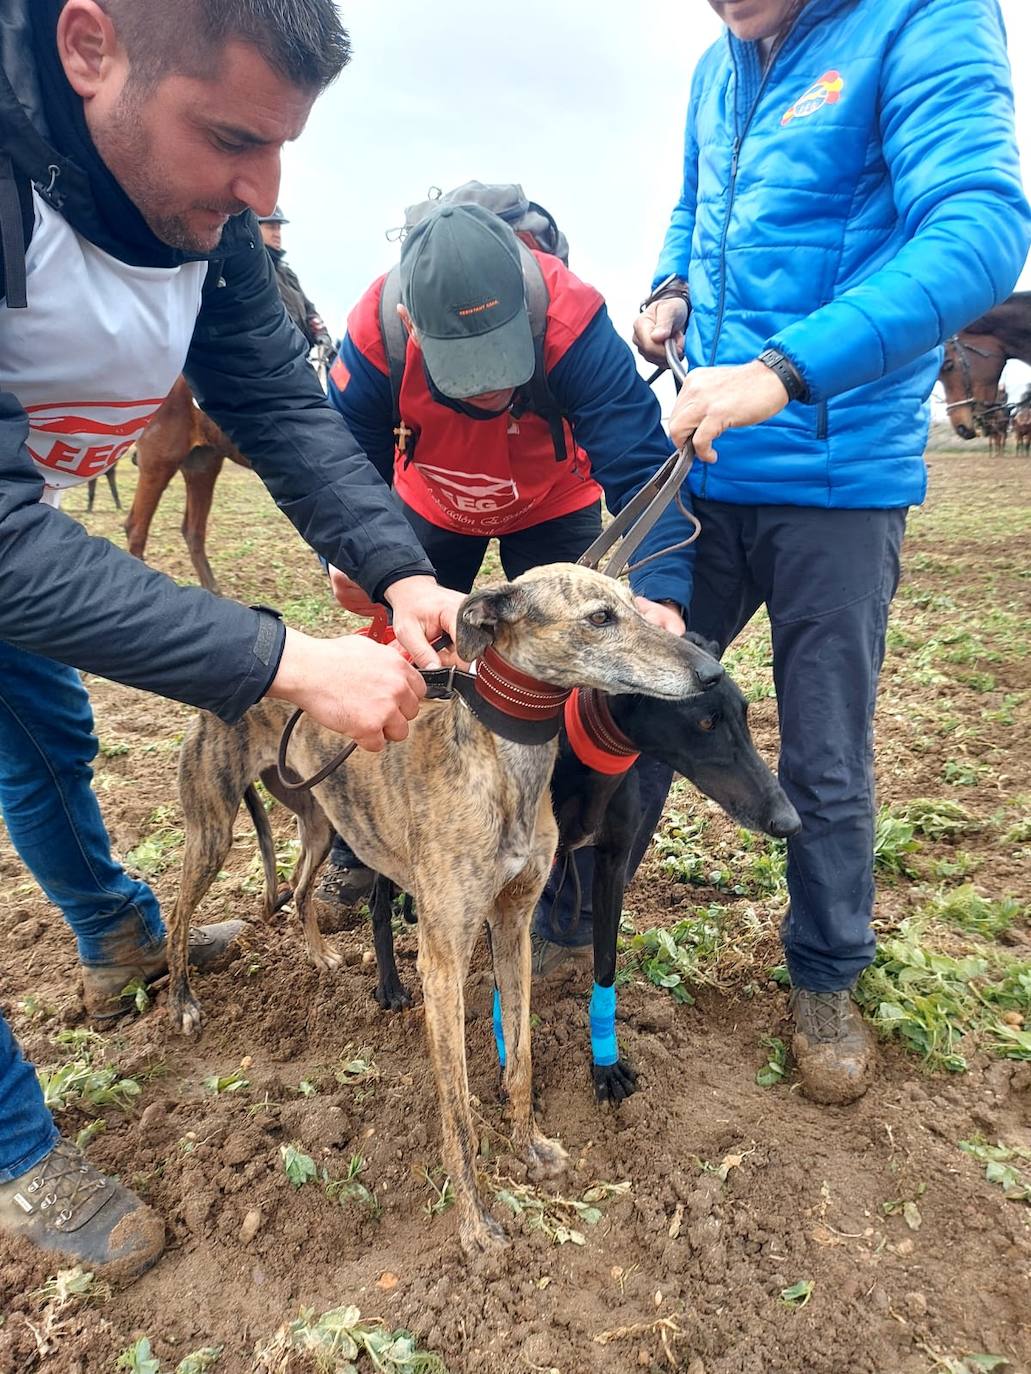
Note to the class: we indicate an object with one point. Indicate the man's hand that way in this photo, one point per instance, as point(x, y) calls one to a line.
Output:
point(351, 685)
point(717, 398)
point(661, 613)
point(349, 595)
point(423, 611)
point(662, 320)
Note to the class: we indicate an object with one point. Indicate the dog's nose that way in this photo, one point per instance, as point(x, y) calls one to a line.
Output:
point(785, 821)
point(965, 432)
point(708, 671)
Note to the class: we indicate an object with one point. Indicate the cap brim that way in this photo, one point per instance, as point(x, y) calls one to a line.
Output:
point(498, 361)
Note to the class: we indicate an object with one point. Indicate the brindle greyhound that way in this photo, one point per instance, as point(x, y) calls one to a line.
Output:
point(456, 815)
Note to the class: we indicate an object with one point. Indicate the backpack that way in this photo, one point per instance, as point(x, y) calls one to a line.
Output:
point(535, 228)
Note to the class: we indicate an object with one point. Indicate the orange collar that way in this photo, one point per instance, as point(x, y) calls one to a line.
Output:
point(596, 739)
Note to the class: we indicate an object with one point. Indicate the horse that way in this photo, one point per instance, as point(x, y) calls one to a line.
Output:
point(180, 438)
point(1022, 423)
point(995, 424)
point(973, 363)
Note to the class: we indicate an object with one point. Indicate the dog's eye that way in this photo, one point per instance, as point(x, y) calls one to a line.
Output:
point(601, 617)
point(709, 722)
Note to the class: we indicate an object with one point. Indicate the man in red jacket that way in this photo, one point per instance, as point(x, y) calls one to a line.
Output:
point(508, 426)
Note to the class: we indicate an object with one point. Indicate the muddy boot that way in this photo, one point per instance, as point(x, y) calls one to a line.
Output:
point(547, 956)
point(103, 984)
point(831, 1046)
point(345, 884)
point(65, 1205)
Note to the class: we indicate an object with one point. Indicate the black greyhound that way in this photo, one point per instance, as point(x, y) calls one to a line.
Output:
point(704, 737)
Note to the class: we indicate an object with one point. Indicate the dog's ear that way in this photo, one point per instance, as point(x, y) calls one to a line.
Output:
point(709, 645)
point(480, 616)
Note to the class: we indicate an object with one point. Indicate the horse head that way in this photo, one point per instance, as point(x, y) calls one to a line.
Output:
point(970, 375)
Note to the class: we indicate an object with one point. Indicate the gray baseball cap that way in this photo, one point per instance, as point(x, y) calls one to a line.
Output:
point(462, 284)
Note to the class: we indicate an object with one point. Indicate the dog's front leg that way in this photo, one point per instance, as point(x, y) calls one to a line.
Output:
point(510, 943)
point(444, 952)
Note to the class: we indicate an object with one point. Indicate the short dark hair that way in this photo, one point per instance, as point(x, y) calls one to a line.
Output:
point(303, 40)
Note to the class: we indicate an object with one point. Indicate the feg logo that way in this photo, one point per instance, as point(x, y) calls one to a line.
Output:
point(76, 440)
point(826, 91)
point(481, 492)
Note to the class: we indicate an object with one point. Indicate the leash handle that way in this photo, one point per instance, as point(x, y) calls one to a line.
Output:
point(676, 363)
point(638, 516)
point(287, 776)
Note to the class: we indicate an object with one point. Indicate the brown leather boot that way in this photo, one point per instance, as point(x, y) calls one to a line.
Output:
point(65, 1205)
point(832, 1047)
point(103, 984)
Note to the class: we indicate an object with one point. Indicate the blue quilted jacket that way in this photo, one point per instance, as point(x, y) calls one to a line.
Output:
point(851, 206)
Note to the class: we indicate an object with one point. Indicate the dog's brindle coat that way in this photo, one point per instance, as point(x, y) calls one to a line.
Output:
point(705, 737)
point(455, 815)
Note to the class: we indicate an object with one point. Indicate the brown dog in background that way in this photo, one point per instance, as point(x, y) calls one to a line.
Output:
point(455, 815)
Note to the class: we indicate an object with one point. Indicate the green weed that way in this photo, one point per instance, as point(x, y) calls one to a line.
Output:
point(555, 1215)
point(350, 1188)
point(334, 1342)
point(298, 1167)
point(893, 842)
point(798, 1294)
point(233, 1082)
point(775, 1069)
point(967, 909)
point(937, 818)
point(999, 1167)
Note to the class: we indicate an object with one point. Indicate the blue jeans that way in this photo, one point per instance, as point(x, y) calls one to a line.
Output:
point(50, 809)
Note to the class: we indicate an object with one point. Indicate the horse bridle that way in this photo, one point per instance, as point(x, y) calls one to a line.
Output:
point(980, 408)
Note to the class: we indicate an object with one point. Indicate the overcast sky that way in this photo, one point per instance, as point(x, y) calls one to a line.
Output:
point(582, 101)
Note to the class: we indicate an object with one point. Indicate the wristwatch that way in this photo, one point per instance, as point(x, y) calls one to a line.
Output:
point(794, 382)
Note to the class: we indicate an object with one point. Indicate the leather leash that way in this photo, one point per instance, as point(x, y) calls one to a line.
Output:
point(639, 515)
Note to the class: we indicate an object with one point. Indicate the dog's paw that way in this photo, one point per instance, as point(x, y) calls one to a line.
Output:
point(185, 1014)
point(393, 996)
point(614, 1082)
point(326, 958)
point(481, 1236)
point(545, 1158)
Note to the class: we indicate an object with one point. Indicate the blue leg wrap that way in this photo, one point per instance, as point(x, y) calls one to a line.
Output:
point(499, 1034)
point(603, 1026)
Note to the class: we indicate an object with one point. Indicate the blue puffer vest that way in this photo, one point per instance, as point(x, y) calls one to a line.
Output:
point(852, 205)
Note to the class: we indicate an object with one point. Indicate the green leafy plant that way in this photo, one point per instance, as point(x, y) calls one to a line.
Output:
point(233, 1082)
point(893, 842)
point(798, 1294)
point(999, 1166)
point(350, 1188)
point(776, 1067)
point(137, 990)
point(139, 1358)
point(80, 1083)
point(73, 1285)
point(335, 1341)
point(443, 1193)
point(555, 1215)
point(298, 1167)
point(966, 908)
point(937, 818)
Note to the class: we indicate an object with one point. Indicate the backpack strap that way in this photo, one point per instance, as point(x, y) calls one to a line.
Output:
point(536, 395)
point(16, 217)
point(394, 337)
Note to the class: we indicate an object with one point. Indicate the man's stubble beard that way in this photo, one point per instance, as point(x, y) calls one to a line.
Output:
point(126, 149)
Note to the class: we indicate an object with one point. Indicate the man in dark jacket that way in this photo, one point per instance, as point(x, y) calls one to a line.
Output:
point(851, 197)
point(297, 305)
point(130, 254)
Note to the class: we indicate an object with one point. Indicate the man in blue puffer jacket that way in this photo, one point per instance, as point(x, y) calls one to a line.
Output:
point(851, 197)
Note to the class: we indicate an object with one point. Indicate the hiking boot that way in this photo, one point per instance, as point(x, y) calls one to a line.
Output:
point(65, 1205)
point(831, 1046)
point(342, 885)
point(102, 984)
point(546, 955)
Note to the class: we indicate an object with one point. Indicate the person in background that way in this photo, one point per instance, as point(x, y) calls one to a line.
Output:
point(297, 305)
